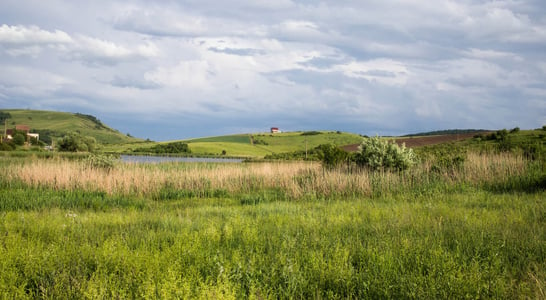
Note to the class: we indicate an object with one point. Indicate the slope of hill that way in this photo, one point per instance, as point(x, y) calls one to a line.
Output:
point(448, 132)
point(261, 144)
point(51, 125)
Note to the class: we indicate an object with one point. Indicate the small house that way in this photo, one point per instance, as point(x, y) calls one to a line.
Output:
point(22, 128)
point(274, 129)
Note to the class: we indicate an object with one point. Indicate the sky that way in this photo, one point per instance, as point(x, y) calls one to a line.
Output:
point(167, 70)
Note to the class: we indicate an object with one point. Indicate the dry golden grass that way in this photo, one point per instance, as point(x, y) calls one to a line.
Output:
point(296, 179)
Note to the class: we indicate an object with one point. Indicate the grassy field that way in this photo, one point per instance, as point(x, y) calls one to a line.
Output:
point(255, 145)
point(58, 124)
point(273, 230)
point(261, 144)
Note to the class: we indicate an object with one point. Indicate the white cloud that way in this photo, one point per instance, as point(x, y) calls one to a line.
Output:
point(97, 51)
point(30, 40)
point(33, 35)
point(352, 64)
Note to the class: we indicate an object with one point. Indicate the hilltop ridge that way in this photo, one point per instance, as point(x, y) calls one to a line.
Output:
point(53, 124)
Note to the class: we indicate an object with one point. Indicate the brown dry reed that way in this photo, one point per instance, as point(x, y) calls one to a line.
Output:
point(294, 179)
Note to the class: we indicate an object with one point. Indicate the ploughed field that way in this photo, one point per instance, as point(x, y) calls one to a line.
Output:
point(420, 141)
point(475, 229)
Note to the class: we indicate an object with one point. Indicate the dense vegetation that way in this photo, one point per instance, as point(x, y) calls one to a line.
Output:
point(168, 148)
point(466, 221)
point(448, 131)
point(74, 142)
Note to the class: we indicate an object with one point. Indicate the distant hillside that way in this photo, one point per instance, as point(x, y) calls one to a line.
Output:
point(448, 132)
point(261, 144)
point(257, 144)
point(52, 125)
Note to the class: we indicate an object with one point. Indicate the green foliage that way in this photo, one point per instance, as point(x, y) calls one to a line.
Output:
point(93, 245)
point(4, 116)
point(101, 161)
point(311, 133)
point(170, 148)
point(499, 135)
point(445, 132)
point(74, 142)
point(377, 153)
point(259, 142)
point(331, 156)
point(47, 136)
point(447, 159)
point(7, 146)
point(97, 122)
point(515, 130)
point(19, 138)
point(433, 239)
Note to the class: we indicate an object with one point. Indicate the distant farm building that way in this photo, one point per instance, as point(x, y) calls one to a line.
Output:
point(274, 129)
point(24, 128)
point(21, 128)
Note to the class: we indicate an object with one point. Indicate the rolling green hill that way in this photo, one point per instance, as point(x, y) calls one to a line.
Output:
point(52, 125)
point(261, 144)
point(256, 145)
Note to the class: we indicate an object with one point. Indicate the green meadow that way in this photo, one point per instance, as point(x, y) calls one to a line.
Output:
point(255, 145)
point(71, 230)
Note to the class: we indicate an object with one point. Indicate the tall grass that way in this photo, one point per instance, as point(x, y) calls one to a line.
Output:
point(476, 245)
point(295, 179)
point(475, 229)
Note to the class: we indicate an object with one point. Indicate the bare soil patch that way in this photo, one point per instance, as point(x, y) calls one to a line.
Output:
point(420, 141)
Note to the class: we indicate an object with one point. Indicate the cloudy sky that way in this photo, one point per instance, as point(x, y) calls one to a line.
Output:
point(179, 69)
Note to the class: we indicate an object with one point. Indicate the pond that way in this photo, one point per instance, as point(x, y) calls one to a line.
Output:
point(160, 159)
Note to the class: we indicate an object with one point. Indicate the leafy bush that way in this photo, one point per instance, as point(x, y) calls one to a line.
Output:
point(74, 142)
point(7, 146)
point(445, 159)
point(499, 135)
point(377, 153)
point(331, 156)
point(260, 142)
point(515, 130)
point(19, 138)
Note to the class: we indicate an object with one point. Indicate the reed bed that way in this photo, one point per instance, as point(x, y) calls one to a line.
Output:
point(293, 180)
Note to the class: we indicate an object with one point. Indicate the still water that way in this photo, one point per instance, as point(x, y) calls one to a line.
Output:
point(160, 159)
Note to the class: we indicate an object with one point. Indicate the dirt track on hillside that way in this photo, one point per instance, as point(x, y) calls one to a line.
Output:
point(420, 141)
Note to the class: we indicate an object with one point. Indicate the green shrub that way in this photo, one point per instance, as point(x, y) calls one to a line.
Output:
point(101, 161)
point(7, 146)
point(74, 142)
point(376, 153)
point(515, 130)
point(331, 156)
point(19, 138)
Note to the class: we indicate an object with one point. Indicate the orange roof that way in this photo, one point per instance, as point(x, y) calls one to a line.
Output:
point(22, 128)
